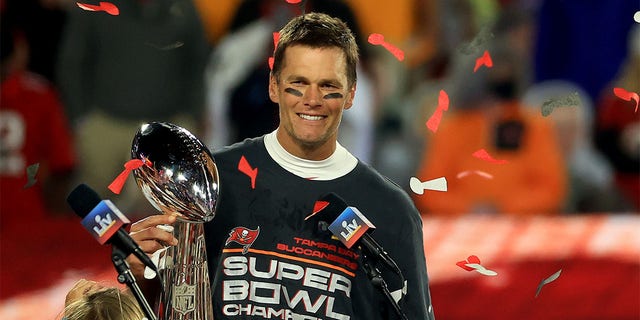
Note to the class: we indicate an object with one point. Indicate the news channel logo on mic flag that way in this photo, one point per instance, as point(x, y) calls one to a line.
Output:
point(350, 225)
point(104, 220)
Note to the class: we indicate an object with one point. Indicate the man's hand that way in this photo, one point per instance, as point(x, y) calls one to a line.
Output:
point(150, 238)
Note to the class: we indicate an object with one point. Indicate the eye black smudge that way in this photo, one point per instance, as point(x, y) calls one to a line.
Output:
point(335, 95)
point(293, 92)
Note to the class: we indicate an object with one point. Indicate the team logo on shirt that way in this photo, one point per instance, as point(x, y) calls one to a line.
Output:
point(243, 236)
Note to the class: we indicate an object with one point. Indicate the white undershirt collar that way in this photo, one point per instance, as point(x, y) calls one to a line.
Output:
point(337, 165)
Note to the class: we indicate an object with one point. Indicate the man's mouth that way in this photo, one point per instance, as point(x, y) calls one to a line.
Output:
point(310, 117)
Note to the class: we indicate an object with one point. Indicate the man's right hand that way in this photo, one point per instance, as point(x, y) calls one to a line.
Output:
point(150, 238)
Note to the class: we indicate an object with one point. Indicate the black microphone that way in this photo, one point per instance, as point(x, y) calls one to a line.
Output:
point(104, 221)
point(350, 226)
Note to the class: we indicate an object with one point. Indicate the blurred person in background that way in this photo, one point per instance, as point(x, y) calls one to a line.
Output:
point(617, 132)
point(42, 22)
point(591, 185)
point(37, 164)
point(34, 131)
point(117, 72)
point(584, 42)
point(485, 113)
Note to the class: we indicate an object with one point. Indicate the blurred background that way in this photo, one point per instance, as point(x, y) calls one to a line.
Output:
point(525, 107)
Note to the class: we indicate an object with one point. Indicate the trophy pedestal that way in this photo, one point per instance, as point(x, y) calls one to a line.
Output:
point(187, 292)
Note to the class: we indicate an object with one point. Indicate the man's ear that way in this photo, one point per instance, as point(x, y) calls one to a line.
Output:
point(273, 89)
point(350, 95)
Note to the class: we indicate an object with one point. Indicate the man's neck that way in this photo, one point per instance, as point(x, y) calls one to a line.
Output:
point(309, 152)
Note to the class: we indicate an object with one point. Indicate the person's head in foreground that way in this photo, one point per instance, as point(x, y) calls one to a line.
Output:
point(89, 300)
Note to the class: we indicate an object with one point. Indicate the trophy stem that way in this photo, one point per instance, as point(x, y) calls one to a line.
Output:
point(187, 290)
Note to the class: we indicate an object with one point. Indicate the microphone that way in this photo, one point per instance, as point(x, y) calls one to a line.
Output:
point(104, 221)
point(350, 227)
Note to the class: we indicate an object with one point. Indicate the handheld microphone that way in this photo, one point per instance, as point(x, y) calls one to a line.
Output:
point(350, 227)
point(104, 221)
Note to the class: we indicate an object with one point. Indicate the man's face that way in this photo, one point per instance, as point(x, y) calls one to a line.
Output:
point(312, 93)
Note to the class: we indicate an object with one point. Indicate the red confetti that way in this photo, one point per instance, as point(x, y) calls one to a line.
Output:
point(484, 155)
point(118, 182)
point(471, 259)
point(627, 96)
point(245, 168)
point(443, 105)
point(319, 205)
point(378, 39)
point(485, 60)
point(107, 7)
point(270, 63)
point(276, 38)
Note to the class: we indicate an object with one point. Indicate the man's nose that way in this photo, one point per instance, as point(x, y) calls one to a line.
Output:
point(312, 96)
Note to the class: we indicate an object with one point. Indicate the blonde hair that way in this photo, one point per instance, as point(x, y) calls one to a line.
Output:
point(104, 304)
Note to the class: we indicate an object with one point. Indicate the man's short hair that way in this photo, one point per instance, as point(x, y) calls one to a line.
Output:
point(317, 30)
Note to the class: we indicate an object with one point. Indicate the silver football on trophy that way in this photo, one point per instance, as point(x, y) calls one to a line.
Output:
point(180, 176)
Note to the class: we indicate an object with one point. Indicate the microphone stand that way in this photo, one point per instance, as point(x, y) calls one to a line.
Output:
point(375, 276)
point(126, 277)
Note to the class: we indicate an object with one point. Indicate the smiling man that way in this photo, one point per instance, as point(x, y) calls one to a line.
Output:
point(290, 267)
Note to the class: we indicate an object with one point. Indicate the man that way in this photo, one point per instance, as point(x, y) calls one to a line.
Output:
point(266, 260)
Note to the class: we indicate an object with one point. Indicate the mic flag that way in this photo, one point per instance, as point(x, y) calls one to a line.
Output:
point(104, 220)
point(350, 226)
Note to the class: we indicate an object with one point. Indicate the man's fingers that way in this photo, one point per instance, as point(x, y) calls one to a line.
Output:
point(152, 221)
point(154, 234)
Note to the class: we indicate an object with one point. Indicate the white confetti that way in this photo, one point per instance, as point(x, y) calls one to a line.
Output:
point(418, 187)
point(481, 269)
point(552, 278)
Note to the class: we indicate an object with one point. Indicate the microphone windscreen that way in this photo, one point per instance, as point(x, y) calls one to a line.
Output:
point(332, 206)
point(83, 199)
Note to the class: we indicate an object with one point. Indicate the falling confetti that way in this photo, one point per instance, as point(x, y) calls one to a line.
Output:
point(473, 263)
point(245, 168)
point(484, 155)
point(276, 38)
point(481, 270)
point(118, 182)
point(107, 7)
point(32, 170)
point(571, 100)
point(443, 105)
point(474, 46)
point(627, 95)
point(552, 278)
point(378, 39)
point(485, 60)
point(174, 45)
point(478, 172)
point(418, 187)
point(471, 259)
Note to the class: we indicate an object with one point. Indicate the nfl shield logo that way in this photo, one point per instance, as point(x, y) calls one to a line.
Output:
point(184, 297)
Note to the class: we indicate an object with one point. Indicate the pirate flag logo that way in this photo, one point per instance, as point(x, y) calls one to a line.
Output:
point(243, 236)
